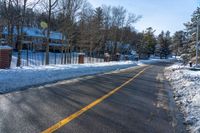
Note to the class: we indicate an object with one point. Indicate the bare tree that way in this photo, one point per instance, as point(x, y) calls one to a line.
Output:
point(70, 12)
point(49, 6)
point(21, 6)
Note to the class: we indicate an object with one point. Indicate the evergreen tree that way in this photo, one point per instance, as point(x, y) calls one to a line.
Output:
point(149, 40)
point(164, 41)
point(179, 41)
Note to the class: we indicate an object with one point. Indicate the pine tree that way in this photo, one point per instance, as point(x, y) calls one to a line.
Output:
point(150, 41)
point(165, 41)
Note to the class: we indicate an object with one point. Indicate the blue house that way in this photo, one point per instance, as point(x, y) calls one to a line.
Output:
point(35, 38)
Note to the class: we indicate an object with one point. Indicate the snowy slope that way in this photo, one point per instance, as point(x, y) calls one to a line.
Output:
point(186, 86)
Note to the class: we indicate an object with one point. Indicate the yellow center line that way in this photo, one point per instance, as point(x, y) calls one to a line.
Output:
point(86, 108)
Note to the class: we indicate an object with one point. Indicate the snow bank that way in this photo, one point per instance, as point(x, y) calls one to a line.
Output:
point(186, 87)
point(15, 78)
point(156, 59)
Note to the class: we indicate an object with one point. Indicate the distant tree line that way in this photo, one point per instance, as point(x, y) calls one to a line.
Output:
point(94, 30)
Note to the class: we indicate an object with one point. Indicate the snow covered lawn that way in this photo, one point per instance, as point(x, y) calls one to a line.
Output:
point(37, 58)
point(18, 78)
point(186, 87)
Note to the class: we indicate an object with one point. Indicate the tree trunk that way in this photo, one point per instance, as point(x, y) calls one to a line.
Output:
point(48, 35)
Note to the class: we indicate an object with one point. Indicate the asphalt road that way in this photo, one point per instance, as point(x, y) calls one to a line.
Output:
point(143, 105)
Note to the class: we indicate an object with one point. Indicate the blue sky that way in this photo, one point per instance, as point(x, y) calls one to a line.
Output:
point(159, 14)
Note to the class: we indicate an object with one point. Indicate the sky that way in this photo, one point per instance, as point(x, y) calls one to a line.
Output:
point(158, 14)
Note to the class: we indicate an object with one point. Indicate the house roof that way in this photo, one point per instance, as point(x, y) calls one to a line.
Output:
point(36, 32)
point(56, 44)
point(56, 35)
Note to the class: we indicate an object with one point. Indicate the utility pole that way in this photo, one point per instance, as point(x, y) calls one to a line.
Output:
point(197, 42)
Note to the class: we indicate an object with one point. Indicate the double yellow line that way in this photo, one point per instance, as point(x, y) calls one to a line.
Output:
point(86, 108)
